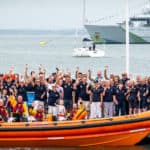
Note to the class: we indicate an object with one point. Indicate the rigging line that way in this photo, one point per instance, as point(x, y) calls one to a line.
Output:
point(135, 5)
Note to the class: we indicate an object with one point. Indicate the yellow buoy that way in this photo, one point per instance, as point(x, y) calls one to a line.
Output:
point(42, 43)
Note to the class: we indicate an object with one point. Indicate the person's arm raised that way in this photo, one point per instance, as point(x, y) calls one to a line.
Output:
point(76, 72)
point(90, 75)
point(105, 73)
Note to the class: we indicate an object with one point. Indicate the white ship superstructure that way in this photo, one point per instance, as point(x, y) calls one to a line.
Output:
point(139, 28)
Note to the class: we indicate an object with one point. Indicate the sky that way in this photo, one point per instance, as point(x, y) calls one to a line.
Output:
point(60, 14)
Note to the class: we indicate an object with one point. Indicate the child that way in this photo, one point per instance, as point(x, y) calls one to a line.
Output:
point(32, 113)
point(39, 116)
point(61, 113)
point(74, 110)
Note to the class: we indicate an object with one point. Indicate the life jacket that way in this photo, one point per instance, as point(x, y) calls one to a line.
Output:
point(32, 111)
point(3, 113)
point(25, 113)
point(6, 76)
point(12, 101)
point(49, 117)
point(80, 114)
point(19, 108)
point(39, 116)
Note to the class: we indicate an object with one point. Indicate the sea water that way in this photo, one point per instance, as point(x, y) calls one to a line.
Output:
point(18, 49)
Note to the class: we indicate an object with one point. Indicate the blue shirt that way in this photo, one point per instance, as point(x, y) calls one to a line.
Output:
point(82, 91)
point(68, 89)
point(143, 89)
point(39, 91)
point(133, 93)
point(53, 97)
point(120, 94)
point(109, 93)
point(96, 94)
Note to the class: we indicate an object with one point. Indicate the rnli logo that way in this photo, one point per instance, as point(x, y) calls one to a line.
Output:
point(117, 91)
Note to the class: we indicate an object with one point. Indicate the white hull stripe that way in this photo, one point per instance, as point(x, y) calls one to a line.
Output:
point(137, 130)
point(55, 138)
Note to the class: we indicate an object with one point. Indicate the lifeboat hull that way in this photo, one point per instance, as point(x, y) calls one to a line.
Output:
point(117, 131)
point(113, 139)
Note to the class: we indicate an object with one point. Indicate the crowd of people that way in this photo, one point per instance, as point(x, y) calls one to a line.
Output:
point(59, 96)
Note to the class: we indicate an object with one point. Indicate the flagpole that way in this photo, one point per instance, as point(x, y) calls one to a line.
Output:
point(127, 39)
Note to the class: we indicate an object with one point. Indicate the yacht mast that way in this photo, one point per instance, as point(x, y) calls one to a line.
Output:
point(84, 12)
point(127, 38)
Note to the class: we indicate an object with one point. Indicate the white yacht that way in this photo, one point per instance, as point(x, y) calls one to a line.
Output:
point(88, 52)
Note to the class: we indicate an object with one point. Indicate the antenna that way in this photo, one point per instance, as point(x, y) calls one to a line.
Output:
point(127, 38)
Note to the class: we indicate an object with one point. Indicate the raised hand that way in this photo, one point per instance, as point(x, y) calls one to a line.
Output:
point(26, 66)
point(106, 68)
point(40, 66)
point(11, 69)
point(68, 70)
point(89, 71)
point(77, 68)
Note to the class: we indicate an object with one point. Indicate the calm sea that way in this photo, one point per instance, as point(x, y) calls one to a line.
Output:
point(20, 48)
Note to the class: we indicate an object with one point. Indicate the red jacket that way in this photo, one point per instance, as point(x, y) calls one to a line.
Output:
point(3, 112)
point(19, 108)
point(39, 116)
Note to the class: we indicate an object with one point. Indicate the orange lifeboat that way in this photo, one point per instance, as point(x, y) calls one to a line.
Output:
point(116, 131)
